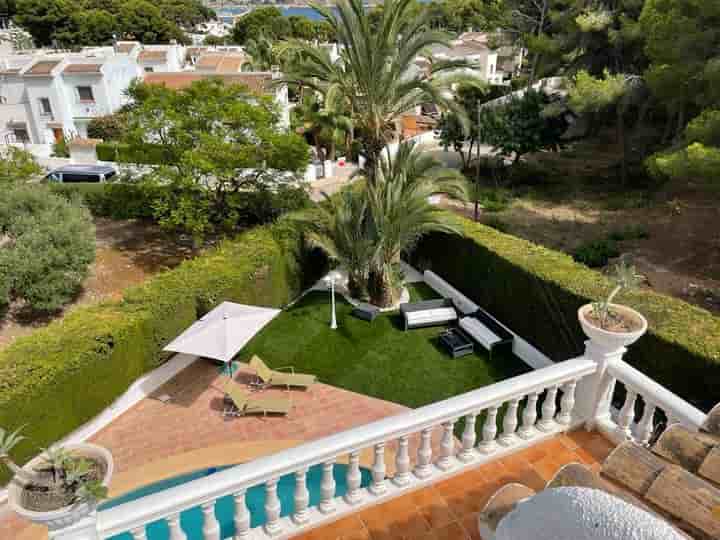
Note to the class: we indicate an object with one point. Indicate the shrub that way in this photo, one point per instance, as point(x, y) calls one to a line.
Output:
point(60, 149)
point(537, 291)
point(149, 154)
point(596, 253)
point(44, 377)
point(114, 200)
point(49, 243)
point(108, 128)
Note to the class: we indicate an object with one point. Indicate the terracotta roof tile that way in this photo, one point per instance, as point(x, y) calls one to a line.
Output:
point(256, 82)
point(44, 67)
point(126, 47)
point(83, 68)
point(152, 56)
point(221, 63)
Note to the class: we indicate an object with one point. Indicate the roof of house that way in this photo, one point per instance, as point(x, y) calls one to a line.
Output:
point(221, 63)
point(126, 47)
point(44, 67)
point(9, 71)
point(83, 68)
point(152, 56)
point(256, 82)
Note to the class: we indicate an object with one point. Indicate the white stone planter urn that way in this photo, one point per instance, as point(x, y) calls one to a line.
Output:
point(67, 516)
point(608, 339)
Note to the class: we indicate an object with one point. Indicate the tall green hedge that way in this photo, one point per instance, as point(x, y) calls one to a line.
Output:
point(537, 291)
point(61, 376)
point(151, 154)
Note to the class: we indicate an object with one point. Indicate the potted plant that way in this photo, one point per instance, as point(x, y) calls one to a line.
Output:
point(614, 325)
point(60, 486)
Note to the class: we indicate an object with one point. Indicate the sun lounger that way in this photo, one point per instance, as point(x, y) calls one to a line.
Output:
point(243, 404)
point(272, 377)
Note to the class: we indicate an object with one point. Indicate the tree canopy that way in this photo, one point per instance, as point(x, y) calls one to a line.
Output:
point(46, 242)
point(269, 22)
point(219, 142)
point(96, 22)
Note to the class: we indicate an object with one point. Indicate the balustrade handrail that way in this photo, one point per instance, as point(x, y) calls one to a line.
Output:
point(673, 405)
point(235, 479)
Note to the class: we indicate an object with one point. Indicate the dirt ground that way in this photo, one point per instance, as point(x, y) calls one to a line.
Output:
point(128, 252)
point(681, 254)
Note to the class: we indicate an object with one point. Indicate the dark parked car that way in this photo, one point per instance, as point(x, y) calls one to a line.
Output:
point(82, 173)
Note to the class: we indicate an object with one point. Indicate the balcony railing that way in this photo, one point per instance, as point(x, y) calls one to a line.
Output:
point(503, 430)
point(495, 420)
point(87, 109)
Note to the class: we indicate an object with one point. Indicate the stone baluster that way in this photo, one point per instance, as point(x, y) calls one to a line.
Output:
point(489, 431)
point(139, 533)
point(447, 447)
point(327, 488)
point(547, 417)
point(567, 403)
point(627, 415)
point(301, 498)
point(402, 463)
point(176, 532)
point(647, 422)
point(510, 423)
point(529, 417)
point(469, 437)
point(242, 516)
point(378, 485)
point(211, 527)
point(354, 479)
point(423, 469)
point(272, 508)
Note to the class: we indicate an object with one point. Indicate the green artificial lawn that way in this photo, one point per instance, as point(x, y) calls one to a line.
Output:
point(377, 359)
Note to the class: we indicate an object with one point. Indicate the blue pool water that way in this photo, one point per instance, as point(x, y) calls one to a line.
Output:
point(191, 520)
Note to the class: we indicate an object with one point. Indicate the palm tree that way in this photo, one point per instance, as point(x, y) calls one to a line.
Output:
point(262, 53)
point(341, 231)
point(321, 124)
point(401, 214)
point(375, 77)
point(8, 441)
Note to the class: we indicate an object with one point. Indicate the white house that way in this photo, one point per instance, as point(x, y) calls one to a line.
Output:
point(161, 58)
point(47, 96)
point(259, 82)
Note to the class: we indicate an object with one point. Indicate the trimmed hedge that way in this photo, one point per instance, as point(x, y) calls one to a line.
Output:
point(63, 375)
point(537, 291)
point(114, 200)
point(151, 154)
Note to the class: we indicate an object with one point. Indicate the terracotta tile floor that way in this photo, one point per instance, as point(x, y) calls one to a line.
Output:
point(152, 431)
point(448, 510)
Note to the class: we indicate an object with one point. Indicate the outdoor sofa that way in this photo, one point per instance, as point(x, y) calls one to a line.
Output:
point(428, 313)
point(484, 329)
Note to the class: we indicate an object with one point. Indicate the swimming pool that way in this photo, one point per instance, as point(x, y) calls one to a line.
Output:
point(191, 520)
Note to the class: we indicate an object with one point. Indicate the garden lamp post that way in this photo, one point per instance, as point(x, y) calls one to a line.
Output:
point(330, 280)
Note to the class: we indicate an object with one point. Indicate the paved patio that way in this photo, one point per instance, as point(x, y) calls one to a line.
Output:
point(156, 440)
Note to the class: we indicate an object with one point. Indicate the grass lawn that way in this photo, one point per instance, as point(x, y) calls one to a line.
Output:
point(378, 359)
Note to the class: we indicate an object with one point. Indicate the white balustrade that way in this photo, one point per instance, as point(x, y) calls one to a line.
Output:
point(623, 425)
point(354, 479)
point(301, 498)
point(242, 516)
point(176, 532)
point(378, 485)
point(424, 456)
point(567, 403)
point(138, 533)
point(489, 431)
point(447, 445)
point(529, 417)
point(510, 422)
point(327, 488)
point(547, 418)
point(272, 508)
point(469, 437)
point(211, 527)
point(402, 463)
point(437, 418)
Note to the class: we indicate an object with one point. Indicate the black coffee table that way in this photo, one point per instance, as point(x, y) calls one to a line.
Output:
point(456, 342)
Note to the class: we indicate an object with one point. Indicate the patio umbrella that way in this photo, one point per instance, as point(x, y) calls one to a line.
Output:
point(222, 332)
